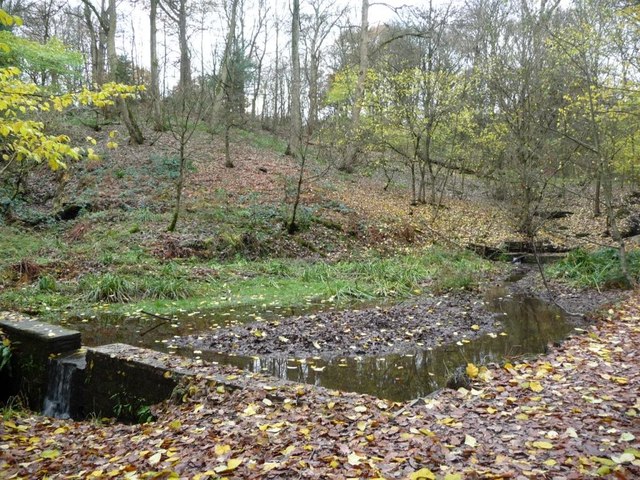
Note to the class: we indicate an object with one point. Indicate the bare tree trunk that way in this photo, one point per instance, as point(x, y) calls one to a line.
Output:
point(349, 161)
point(313, 91)
point(224, 78)
point(179, 187)
point(97, 41)
point(276, 79)
point(296, 114)
point(185, 56)
point(414, 199)
point(227, 147)
point(129, 120)
point(156, 109)
point(258, 85)
point(596, 198)
point(292, 226)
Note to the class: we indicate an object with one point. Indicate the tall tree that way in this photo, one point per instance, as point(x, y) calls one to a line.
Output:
point(599, 115)
point(177, 12)
point(349, 161)
point(154, 87)
point(135, 133)
point(317, 26)
point(296, 112)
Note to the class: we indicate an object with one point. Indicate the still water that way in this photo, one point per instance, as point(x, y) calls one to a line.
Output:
point(524, 326)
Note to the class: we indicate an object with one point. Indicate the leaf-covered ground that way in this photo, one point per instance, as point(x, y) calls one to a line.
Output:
point(570, 414)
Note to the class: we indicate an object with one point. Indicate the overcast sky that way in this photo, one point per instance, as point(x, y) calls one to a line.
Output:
point(207, 32)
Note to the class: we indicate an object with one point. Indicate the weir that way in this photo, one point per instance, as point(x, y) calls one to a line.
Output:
point(65, 386)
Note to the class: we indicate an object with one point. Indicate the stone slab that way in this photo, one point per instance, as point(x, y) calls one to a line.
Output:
point(32, 344)
point(53, 338)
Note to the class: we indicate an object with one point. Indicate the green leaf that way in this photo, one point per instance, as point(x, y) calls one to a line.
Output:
point(50, 454)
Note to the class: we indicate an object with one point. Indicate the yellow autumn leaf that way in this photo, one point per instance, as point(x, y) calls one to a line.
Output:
point(453, 476)
point(470, 441)
point(535, 387)
point(543, 445)
point(268, 466)
point(250, 410)
point(422, 474)
point(485, 374)
point(234, 463)
point(475, 327)
point(221, 449)
point(155, 458)
point(354, 459)
point(231, 465)
point(288, 450)
point(472, 370)
point(50, 454)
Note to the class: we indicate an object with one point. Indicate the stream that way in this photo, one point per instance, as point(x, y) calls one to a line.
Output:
point(524, 326)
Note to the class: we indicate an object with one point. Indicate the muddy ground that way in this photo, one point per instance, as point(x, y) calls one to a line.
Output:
point(420, 323)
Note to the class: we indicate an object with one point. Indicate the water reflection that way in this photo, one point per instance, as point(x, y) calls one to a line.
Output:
point(151, 332)
point(526, 326)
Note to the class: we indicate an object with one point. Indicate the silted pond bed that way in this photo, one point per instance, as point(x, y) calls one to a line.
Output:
point(499, 328)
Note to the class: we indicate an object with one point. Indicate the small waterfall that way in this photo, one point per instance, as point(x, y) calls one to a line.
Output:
point(64, 373)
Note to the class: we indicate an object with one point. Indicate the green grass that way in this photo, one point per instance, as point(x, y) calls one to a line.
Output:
point(133, 279)
point(599, 269)
point(259, 139)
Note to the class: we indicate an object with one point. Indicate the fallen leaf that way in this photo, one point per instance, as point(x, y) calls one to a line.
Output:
point(221, 449)
point(50, 454)
point(354, 459)
point(470, 441)
point(543, 445)
point(155, 458)
point(422, 474)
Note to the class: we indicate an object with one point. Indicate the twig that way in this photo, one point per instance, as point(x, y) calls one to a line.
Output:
point(164, 321)
point(546, 284)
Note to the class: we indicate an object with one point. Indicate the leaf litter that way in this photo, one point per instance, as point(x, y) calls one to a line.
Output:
point(579, 420)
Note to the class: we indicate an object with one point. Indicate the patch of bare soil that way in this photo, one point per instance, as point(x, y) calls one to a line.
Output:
point(580, 301)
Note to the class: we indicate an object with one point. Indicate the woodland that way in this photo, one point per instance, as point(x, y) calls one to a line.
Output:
point(410, 230)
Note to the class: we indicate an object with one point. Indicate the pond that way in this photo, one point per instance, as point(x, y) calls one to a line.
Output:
point(524, 326)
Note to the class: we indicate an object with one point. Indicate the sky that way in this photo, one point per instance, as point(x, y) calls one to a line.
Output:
point(207, 32)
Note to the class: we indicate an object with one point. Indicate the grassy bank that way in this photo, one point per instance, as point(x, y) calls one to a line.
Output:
point(598, 269)
point(47, 275)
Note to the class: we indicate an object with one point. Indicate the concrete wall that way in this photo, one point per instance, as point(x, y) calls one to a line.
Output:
point(110, 381)
point(32, 345)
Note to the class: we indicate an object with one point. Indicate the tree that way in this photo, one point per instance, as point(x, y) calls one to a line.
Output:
point(51, 64)
point(177, 12)
point(98, 33)
point(527, 85)
point(24, 142)
point(317, 26)
point(296, 112)
point(186, 109)
point(112, 55)
point(348, 162)
point(154, 84)
point(103, 41)
point(599, 115)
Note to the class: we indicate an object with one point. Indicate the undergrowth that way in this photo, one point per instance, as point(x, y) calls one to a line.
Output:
point(599, 269)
